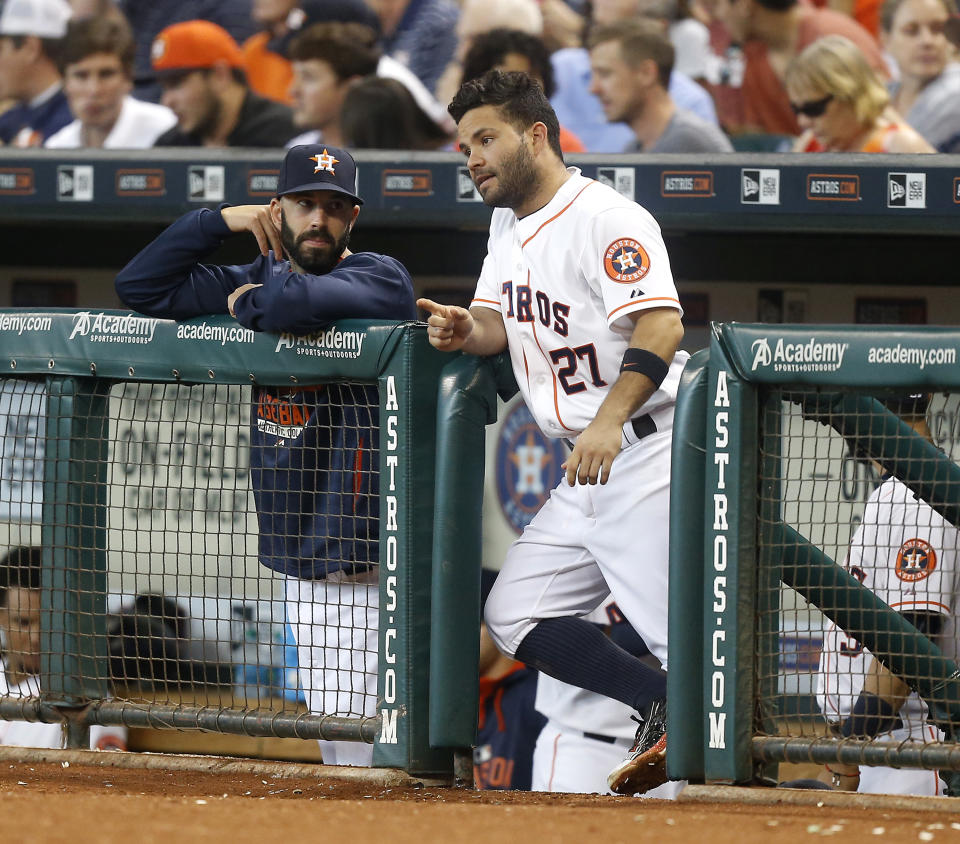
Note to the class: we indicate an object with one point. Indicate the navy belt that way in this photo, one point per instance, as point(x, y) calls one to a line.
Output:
point(643, 426)
point(604, 739)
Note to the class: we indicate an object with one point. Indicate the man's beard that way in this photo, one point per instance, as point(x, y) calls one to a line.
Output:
point(310, 258)
point(210, 118)
point(516, 181)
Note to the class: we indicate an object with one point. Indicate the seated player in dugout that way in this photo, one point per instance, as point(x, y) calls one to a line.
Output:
point(314, 464)
point(20, 626)
point(577, 286)
point(906, 553)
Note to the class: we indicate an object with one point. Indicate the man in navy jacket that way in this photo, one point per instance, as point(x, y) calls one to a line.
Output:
point(313, 449)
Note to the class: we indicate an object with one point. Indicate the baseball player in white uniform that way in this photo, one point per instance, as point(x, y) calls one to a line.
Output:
point(906, 553)
point(577, 285)
point(586, 734)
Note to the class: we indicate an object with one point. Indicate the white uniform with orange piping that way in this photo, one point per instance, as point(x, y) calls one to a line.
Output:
point(907, 554)
point(564, 280)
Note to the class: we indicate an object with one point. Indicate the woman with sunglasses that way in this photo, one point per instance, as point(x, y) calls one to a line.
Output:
point(915, 34)
point(841, 104)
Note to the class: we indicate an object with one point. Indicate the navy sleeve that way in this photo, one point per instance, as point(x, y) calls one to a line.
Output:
point(166, 279)
point(362, 286)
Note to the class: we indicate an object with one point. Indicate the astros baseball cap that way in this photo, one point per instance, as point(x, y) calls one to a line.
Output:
point(194, 45)
point(42, 18)
point(318, 167)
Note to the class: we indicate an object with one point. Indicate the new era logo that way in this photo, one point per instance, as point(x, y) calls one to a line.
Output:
point(205, 183)
point(466, 189)
point(760, 187)
point(75, 183)
point(907, 190)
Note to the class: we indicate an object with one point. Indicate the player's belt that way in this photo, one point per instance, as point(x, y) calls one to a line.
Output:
point(599, 737)
point(643, 426)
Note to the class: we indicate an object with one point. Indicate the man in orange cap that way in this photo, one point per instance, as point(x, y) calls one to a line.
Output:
point(200, 68)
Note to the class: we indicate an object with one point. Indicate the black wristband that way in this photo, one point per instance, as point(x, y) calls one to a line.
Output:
point(871, 716)
point(646, 363)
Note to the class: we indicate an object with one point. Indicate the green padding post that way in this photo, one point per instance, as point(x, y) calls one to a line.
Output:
point(902, 648)
point(685, 715)
point(467, 403)
point(870, 428)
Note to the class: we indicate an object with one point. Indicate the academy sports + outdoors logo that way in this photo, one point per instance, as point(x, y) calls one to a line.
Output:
point(332, 343)
point(916, 560)
point(812, 356)
point(527, 467)
point(113, 328)
point(19, 324)
point(626, 261)
point(222, 333)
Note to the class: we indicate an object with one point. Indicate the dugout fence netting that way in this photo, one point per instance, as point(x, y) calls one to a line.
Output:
point(824, 562)
point(170, 476)
point(873, 526)
point(192, 617)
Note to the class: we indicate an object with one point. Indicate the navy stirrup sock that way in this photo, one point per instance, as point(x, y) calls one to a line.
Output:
point(577, 652)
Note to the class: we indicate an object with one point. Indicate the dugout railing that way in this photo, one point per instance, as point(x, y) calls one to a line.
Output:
point(779, 433)
point(124, 459)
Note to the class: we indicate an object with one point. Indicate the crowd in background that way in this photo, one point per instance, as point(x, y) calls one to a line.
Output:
point(622, 75)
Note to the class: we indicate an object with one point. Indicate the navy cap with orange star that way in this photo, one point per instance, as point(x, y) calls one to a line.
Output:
point(318, 167)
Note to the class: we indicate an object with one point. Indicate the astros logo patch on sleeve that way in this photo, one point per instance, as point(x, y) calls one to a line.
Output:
point(915, 560)
point(626, 261)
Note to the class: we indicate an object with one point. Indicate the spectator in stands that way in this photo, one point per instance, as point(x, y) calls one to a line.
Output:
point(478, 17)
point(772, 33)
point(31, 32)
point(512, 49)
point(928, 90)
point(420, 34)
point(97, 61)
point(380, 113)
point(631, 63)
point(21, 619)
point(200, 68)
point(148, 17)
point(841, 104)
point(581, 112)
point(327, 59)
point(266, 55)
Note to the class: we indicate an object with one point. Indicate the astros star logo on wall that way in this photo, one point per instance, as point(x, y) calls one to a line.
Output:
point(324, 161)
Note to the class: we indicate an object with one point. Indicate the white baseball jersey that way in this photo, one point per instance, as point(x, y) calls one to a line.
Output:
point(906, 554)
point(564, 279)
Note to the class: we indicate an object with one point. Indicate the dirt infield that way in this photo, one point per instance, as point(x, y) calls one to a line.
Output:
point(45, 801)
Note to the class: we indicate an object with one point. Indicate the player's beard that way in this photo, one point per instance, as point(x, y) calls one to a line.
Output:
point(516, 181)
point(312, 259)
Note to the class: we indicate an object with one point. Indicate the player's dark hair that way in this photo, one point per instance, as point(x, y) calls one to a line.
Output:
point(19, 569)
point(491, 48)
point(520, 99)
point(89, 36)
point(639, 40)
point(349, 48)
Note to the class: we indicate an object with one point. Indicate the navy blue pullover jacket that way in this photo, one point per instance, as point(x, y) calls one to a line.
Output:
point(313, 455)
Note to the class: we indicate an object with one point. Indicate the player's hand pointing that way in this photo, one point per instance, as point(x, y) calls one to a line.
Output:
point(592, 457)
point(448, 326)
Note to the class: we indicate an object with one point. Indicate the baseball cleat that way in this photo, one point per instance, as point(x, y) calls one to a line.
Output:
point(646, 765)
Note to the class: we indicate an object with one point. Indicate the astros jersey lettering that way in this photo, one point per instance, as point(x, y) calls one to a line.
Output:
point(564, 279)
